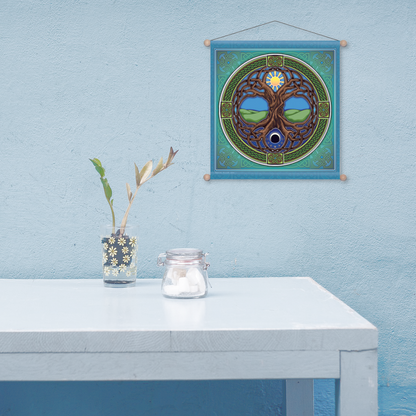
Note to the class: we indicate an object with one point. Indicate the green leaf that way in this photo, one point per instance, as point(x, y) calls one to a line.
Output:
point(137, 175)
point(98, 166)
point(112, 201)
point(100, 170)
point(145, 172)
point(107, 190)
point(96, 162)
point(158, 167)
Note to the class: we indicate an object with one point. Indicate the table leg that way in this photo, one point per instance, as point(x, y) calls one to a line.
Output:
point(356, 390)
point(299, 397)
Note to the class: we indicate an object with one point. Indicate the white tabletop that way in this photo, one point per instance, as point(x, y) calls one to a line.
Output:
point(239, 314)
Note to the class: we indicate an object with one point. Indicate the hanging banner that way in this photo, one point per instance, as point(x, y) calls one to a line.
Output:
point(275, 110)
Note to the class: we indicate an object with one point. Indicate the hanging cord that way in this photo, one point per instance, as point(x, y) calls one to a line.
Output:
point(275, 21)
point(207, 42)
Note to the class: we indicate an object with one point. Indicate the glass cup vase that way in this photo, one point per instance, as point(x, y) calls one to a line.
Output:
point(119, 251)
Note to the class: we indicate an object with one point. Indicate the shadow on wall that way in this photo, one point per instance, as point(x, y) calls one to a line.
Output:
point(158, 398)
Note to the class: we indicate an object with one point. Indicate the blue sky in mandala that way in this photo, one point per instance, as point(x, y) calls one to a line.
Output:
point(255, 103)
point(260, 104)
point(295, 103)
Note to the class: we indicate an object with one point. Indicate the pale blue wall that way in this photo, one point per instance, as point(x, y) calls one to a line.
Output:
point(125, 80)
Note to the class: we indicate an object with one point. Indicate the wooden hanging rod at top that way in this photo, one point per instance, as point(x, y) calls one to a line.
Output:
point(207, 43)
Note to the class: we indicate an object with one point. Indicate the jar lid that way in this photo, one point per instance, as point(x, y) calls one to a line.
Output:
point(184, 254)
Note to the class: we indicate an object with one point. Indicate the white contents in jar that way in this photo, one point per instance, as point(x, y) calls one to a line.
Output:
point(178, 274)
point(171, 290)
point(194, 289)
point(195, 277)
point(183, 284)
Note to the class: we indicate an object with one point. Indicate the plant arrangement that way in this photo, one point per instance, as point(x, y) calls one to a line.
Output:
point(142, 177)
point(119, 249)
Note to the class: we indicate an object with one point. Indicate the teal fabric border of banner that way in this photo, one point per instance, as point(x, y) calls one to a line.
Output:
point(251, 171)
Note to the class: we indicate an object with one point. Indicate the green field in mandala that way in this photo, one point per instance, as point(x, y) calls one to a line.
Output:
point(295, 116)
point(322, 157)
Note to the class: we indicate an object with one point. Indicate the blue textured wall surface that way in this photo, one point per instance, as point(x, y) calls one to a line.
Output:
point(125, 80)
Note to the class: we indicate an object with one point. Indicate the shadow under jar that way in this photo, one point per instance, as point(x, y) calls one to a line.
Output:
point(119, 256)
point(185, 274)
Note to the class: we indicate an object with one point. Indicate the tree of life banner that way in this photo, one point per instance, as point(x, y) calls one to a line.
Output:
point(275, 110)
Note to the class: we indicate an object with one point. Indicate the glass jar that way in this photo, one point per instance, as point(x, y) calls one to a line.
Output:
point(119, 256)
point(186, 274)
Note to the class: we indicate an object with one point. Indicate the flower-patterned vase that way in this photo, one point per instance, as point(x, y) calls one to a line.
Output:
point(119, 256)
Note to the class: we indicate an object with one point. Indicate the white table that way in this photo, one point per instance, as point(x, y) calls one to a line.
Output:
point(253, 328)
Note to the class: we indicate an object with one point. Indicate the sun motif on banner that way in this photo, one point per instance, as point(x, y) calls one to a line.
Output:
point(274, 80)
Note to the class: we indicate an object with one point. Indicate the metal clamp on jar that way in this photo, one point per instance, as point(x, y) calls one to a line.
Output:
point(186, 274)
